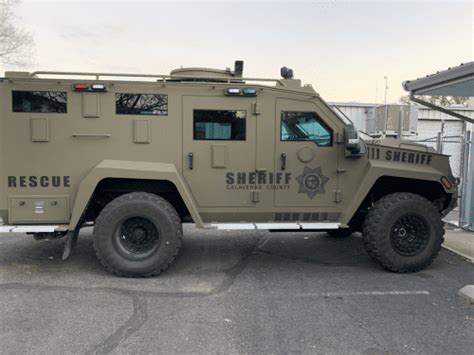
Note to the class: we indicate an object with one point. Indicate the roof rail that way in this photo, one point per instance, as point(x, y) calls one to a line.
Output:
point(161, 77)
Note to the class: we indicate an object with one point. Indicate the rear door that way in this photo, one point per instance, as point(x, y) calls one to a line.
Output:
point(219, 143)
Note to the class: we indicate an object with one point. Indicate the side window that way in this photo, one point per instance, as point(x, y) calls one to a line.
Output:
point(305, 126)
point(39, 101)
point(141, 104)
point(219, 125)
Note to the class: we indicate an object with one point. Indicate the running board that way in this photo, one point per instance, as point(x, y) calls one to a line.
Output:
point(28, 229)
point(275, 226)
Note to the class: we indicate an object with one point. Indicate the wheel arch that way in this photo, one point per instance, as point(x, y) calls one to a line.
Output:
point(384, 185)
point(131, 176)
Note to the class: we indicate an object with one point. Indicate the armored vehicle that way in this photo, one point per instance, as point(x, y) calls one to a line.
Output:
point(135, 156)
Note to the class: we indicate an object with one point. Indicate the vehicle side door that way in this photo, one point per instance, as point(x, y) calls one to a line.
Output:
point(219, 149)
point(306, 148)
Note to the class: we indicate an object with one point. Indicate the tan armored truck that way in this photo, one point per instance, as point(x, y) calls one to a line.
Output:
point(137, 155)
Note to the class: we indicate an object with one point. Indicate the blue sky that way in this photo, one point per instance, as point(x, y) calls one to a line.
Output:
point(344, 49)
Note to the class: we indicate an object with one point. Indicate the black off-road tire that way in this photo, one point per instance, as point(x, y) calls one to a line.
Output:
point(340, 233)
point(381, 228)
point(156, 215)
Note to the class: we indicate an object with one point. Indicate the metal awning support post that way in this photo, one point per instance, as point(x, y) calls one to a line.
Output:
point(467, 199)
point(441, 109)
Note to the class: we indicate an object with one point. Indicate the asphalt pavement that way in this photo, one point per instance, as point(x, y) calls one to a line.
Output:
point(232, 292)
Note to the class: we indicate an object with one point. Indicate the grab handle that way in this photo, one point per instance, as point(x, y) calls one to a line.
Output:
point(283, 161)
point(191, 161)
point(91, 135)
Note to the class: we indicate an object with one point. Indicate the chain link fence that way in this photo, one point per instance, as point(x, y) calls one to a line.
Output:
point(454, 141)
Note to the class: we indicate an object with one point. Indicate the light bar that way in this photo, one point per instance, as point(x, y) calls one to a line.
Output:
point(98, 87)
point(249, 91)
point(81, 87)
point(233, 91)
point(241, 92)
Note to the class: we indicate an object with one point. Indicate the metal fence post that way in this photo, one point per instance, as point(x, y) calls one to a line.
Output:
point(400, 123)
point(438, 142)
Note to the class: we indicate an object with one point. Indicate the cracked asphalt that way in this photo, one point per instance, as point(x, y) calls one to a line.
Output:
point(232, 292)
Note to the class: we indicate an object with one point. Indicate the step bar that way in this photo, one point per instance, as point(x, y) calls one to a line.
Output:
point(275, 226)
point(297, 226)
point(28, 229)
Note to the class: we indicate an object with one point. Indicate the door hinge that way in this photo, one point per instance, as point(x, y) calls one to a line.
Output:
point(255, 196)
point(337, 196)
point(256, 108)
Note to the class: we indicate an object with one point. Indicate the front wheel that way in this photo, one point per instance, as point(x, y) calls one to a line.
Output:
point(403, 232)
point(137, 235)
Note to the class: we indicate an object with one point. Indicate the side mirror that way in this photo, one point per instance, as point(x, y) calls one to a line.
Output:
point(352, 141)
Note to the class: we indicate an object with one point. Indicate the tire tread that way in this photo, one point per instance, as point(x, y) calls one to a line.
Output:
point(375, 218)
point(134, 196)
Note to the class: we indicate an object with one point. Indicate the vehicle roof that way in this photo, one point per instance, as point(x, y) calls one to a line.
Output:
point(183, 76)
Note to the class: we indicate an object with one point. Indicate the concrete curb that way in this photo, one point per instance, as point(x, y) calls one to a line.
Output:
point(467, 293)
point(460, 242)
point(460, 253)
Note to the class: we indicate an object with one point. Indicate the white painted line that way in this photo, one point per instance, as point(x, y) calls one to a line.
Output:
point(365, 293)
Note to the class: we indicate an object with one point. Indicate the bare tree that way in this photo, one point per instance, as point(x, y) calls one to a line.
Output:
point(16, 44)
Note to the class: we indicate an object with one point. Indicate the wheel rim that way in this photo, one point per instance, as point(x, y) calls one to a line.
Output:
point(409, 234)
point(137, 236)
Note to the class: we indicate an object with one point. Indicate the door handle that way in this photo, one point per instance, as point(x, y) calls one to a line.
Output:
point(283, 161)
point(91, 135)
point(191, 161)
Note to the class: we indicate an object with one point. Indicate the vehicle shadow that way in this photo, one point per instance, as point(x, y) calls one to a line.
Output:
point(209, 261)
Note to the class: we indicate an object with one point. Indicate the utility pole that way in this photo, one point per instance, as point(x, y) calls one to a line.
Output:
point(386, 89)
point(385, 101)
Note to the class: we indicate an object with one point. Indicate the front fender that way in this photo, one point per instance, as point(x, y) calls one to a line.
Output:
point(129, 170)
point(377, 169)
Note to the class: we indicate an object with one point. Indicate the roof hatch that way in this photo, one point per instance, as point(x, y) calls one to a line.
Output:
point(209, 74)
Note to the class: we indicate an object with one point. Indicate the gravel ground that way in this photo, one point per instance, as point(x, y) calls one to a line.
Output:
point(232, 292)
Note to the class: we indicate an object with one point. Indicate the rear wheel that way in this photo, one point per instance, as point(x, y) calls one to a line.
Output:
point(403, 232)
point(137, 235)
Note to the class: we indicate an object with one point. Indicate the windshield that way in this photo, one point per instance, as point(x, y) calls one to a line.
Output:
point(342, 115)
point(364, 135)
